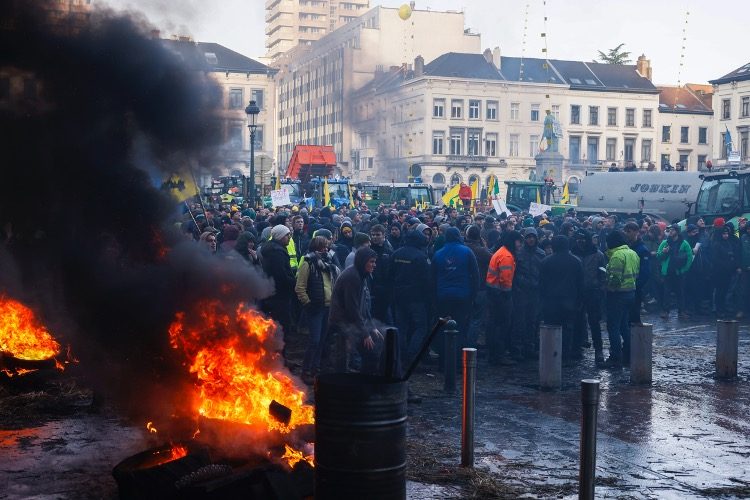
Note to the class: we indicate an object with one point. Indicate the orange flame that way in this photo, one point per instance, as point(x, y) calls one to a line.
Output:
point(293, 457)
point(237, 369)
point(21, 333)
point(150, 427)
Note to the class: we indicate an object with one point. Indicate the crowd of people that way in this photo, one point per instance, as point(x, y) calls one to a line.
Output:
point(342, 276)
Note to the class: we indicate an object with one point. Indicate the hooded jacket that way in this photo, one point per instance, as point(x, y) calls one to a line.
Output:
point(678, 259)
point(409, 271)
point(350, 301)
point(622, 269)
point(528, 264)
point(454, 269)
point(562, 275)
point(275, 261)
point(592, 260)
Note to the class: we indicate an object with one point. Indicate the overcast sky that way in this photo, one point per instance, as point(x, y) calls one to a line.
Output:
point(716, 32)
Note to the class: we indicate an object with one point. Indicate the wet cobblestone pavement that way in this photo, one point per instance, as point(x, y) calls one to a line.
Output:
point(685, 436)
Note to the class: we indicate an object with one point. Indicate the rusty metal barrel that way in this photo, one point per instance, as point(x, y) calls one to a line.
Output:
point(360, 437)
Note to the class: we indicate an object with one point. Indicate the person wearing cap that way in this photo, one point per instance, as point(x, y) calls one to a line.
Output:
point(696, 281)
point(622, 271)
point(275, 261)
point(593, 262)
point(395, 237)
point(345, 241)
point(675, 257)
point(526, 295)
point(633, 234)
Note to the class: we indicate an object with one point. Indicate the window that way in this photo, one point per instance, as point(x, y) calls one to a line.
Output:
point(684, 135)
point(513, 145)
point(702, 135)
point(745, 107)
point(574, 149)
point(611, 149)
point(725, 108)
point(235, 99)
point(629, 149)
point(437, 142)
point(611, 117)
point(630, 117)
point(457, 108)
point(744, 143)
point(257, 96)
point(647, 118)
point(666, 133)
point(593, 115)
point(259, 138)
point(234, 134)
point(474, 109)
point(533, 145)
point(515, 109)
point(456, 140)
point(492, 110)
point(646, 150)
point(534, 112)
point(575, 114)
point(490, 145)
point(684, 161)
point(592, 150)
point(664, 159)
point(723, 148)
point(473, 142)
point(438, 108)
point(556, 111)
point(701, 162)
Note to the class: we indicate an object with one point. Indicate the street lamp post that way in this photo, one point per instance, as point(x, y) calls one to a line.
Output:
point(252, 111)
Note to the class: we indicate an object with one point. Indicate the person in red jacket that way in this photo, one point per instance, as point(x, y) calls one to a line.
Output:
point(464, 194)
point(500, 285)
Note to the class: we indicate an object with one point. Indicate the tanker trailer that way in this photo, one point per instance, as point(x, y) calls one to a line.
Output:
point(665, 195)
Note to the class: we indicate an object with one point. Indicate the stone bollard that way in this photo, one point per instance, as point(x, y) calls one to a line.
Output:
point(550, 357)
point(641, 349)
point(727, 339)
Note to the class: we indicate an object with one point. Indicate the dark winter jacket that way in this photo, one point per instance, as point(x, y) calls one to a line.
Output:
point(562, 276)
point(592, 261)
point(483, 256)
point(409, 271)
point(276, 265)
point(528, 268)
point(455, 272)
point(645, 256)
point(350, 303)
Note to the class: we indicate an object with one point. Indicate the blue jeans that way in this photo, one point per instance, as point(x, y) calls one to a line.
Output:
point(618, 324)
point(317, 320)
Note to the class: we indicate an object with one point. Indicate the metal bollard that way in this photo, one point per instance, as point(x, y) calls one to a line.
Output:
point(727, 339)
point(467, 422)
point(550, 357)
point(641, 349)
point(589, 410)
point(449, 358)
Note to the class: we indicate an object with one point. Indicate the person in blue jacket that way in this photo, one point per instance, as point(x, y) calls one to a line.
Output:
point(455, 274)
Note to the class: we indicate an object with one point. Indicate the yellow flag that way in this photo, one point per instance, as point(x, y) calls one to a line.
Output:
point(475, 193)
point(278, 182)
point(351, 196)
point(565, 195)
point(451, 195)
point(538, 198)
point(180, 186)
point(326, 194)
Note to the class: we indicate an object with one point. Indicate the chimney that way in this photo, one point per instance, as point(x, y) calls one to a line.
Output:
point(418, 66)
point(643, 67)
point(487, 55)
point(496, 58)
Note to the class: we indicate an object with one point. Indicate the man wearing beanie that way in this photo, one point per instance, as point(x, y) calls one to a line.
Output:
point(275, 260)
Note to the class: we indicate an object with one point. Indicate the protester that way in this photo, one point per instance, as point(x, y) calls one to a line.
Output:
point(499, 281)
point(275, 260)
point(675, 256)
point(622, 270)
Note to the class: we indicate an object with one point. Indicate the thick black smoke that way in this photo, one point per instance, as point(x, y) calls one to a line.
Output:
point(92, 106)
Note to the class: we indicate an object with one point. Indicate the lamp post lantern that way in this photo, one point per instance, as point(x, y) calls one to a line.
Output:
point(252, 111)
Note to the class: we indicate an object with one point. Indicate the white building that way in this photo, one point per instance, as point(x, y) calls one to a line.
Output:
point(315, 82)
point(242, 79)
point(731, 103)
point(466, 115)
point(301, 22)
point(685, 127)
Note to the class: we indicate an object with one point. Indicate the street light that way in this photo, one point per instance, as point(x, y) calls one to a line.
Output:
point(252, 111)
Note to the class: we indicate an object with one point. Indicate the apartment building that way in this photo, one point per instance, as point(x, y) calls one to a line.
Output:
point(685, 127)
point(242, 79)
point(731, 103)
point(465, 116)
point(315, 83)
point(301, 22)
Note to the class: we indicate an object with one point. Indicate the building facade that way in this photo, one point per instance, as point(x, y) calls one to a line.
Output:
point(731, 103)
point(315, 83)
point(465, 116)
point(241, 79)
point(301, 22)
point(685, 128)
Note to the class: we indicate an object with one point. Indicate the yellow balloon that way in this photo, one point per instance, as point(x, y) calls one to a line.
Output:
point(404, 12)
